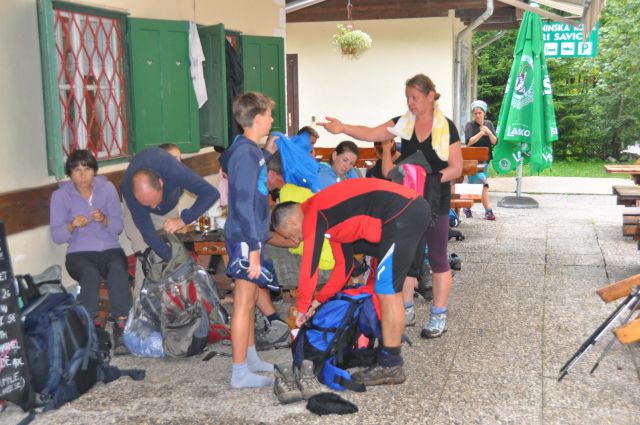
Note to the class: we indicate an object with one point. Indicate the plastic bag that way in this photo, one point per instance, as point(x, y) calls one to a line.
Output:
point(142, 335)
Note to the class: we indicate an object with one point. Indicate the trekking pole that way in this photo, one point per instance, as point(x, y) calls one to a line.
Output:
point(628, 304)
point(611, 341)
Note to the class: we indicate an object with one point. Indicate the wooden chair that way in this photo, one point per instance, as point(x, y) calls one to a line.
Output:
point(629, 332)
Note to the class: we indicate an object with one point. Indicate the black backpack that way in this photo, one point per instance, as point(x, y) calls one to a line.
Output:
point(64, 355)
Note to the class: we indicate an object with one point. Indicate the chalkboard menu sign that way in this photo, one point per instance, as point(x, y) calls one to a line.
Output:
point(14, 371)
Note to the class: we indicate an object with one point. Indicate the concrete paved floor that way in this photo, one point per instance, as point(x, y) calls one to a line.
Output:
point(523, 303)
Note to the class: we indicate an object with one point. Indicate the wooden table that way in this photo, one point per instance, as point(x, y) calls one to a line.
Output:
point(210, 244)
point(631, 169)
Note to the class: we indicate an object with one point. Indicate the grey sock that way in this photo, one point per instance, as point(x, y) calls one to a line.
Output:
point(242, 377)
point(255, 363)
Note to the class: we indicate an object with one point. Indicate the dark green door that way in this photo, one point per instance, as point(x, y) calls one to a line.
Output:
point(214, 114)
point(263, 65)
point(164, 105)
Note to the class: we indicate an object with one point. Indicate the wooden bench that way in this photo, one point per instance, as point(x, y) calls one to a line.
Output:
point(471, 157)
point(629, 196)
point(629, 332)
point(630, 221)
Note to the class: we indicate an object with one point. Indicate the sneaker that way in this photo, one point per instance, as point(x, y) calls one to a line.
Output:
point(488, 215)
point(435, 327)
point(271, 335)
point(284, 384)
point(467, 212)
point(119, 349)
point(307, 380)
point(410, 316)
point(379, 375)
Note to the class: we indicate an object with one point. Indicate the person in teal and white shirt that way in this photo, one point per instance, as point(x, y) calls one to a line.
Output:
point(341, 165)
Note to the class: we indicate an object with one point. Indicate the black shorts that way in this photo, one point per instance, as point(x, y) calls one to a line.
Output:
point(400, 252)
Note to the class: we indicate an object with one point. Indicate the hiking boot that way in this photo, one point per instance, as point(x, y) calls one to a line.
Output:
point(104, 344)
point(488, 215)
point(467, 212)
point(272, 335)
point(284, 384)
point(380, 375)
point(410, 316)
point(119, 349)
point(435, 327)
point(307, 380)
point(455, 262)
point(425, 287)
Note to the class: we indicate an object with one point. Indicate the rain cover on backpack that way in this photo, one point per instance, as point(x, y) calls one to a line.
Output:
point(178, 310)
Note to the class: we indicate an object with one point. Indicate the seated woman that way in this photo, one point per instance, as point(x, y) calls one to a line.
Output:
point(387, 153)
point(86, 214)
point(340, 166)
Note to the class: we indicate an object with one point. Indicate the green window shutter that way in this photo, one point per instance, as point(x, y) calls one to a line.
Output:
point(213, 114)
point(52, 112)
point(263, 64)
point(163, 101)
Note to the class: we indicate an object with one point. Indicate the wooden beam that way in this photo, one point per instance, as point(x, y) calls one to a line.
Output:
point(335, 10)
point(27, 209)
point(628, 333)
point(542, 12)
point(619, 289)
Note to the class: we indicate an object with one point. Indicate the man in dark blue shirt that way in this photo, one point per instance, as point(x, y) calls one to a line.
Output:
point(152, 187)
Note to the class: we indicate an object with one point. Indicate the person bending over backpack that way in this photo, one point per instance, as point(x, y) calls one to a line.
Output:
point(246, 231)
point(151, 189)
point(366, 216)
point(85, 213)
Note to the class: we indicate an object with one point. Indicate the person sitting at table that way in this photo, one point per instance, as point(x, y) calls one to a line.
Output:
point(480, 133)
point(85, 214)
point(341, 165)
point(151, 188)
point(387, 153)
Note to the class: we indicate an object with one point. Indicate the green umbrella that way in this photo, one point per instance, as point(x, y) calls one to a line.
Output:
point(527, 122)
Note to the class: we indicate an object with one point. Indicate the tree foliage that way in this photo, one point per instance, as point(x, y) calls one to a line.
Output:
point(597, 100)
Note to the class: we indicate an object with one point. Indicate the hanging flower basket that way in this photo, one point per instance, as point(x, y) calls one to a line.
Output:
point(351, 42)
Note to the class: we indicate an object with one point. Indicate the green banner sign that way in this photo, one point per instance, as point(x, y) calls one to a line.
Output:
point(565, 41)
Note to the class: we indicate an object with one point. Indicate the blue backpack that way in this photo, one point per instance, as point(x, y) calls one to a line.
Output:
point(330, 339)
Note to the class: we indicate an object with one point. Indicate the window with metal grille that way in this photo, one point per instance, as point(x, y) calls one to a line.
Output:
point(91, 83)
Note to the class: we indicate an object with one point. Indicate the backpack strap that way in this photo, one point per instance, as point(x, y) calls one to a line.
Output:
point(339, 379)
point(56, 346)
point(341, 329)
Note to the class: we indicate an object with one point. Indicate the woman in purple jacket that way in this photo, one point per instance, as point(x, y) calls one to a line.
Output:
point(85, 213)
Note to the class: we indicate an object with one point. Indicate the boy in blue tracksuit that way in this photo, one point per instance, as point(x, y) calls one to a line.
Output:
point(246, 230)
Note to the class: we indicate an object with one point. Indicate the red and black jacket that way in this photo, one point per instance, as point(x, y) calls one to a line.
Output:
point(346, 212)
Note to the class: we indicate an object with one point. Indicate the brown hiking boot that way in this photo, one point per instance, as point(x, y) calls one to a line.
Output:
point(307, 380)
point(119, 349)
point(285, 386)
point(379, 375)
